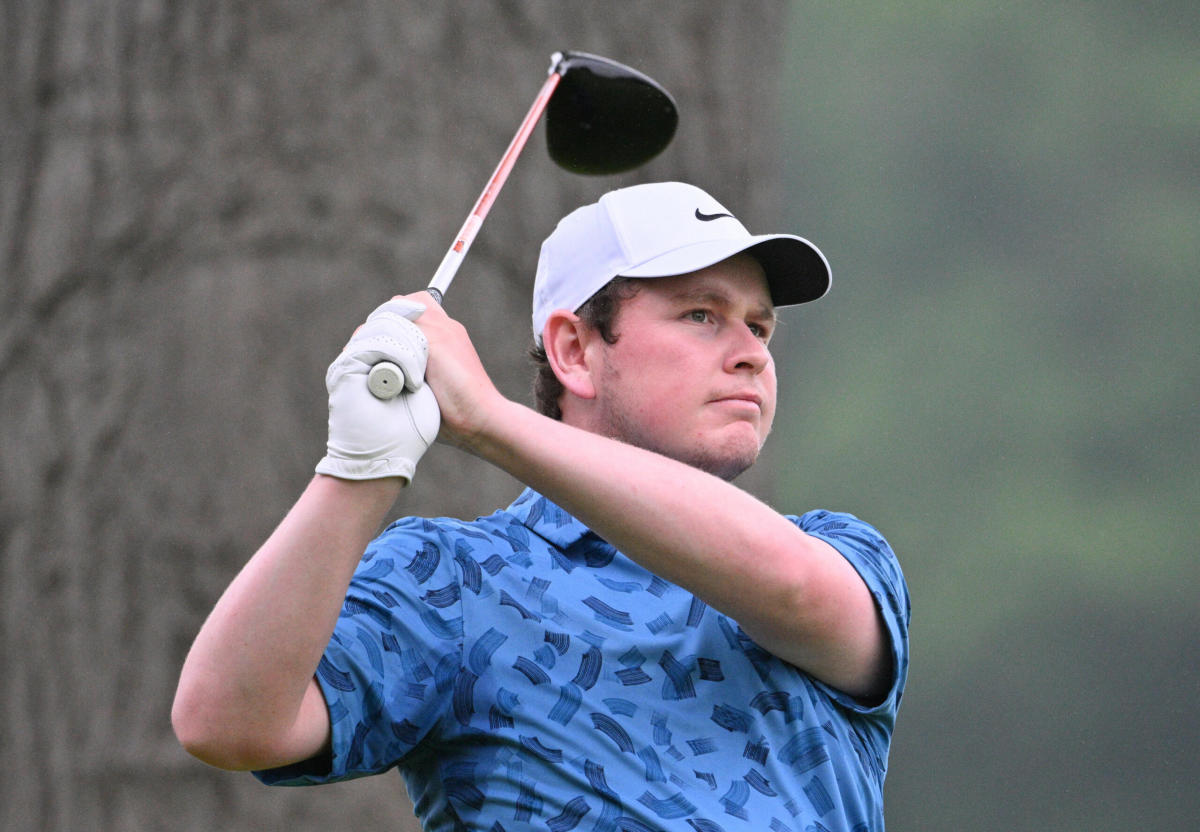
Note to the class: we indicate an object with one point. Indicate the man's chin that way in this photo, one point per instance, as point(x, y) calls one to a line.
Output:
point(731, 470)
point(726, 454)
point(728, 465)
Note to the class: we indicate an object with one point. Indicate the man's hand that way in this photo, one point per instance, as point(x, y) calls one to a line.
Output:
point(467, 398)
point(371, 438)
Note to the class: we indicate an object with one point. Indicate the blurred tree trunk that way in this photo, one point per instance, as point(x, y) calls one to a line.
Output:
point(198, 201)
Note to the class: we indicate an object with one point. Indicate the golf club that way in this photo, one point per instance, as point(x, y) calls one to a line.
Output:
point(602, 117)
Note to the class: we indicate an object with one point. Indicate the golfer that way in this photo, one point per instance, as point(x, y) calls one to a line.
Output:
point(635, 643)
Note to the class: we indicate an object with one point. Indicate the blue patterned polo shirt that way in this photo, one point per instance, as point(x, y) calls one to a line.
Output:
point(524, 675)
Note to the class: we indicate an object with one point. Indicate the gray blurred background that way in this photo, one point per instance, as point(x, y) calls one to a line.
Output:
point(200, 199)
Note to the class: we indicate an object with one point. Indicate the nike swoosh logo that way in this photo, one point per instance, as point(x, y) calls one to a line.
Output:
point(710, 217)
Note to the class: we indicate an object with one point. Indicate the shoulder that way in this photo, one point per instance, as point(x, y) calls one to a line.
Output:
point(443, 530)
point(418, 546)
point(865, 547)
point(841, 526)
point(428, 546)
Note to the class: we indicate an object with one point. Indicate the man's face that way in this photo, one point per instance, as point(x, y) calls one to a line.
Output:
point(690, 375)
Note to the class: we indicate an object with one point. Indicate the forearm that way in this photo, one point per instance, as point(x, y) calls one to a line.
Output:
point(732, 550)
point(792, 593)
point(242, 685)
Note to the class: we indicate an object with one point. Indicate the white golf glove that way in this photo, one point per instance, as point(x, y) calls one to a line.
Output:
point(372, 438)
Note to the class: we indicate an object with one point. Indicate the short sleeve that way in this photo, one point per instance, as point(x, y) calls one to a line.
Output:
point(871, 556)
point(396, 649)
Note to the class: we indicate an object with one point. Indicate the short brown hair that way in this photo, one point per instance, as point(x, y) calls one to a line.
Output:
point(598, 312)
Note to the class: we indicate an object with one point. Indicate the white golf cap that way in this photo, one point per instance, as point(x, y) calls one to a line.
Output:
point(658, 230)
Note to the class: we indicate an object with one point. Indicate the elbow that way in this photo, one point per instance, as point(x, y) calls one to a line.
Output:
point(206, 735)
point(235, 735)
point(196, 736)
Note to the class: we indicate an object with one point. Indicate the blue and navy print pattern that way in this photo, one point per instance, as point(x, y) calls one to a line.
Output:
point(525, 675)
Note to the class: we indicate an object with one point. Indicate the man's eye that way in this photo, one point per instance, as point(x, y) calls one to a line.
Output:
point(762, 330)
point(698, 315)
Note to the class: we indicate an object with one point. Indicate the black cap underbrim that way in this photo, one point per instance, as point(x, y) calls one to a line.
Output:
point(796, 270)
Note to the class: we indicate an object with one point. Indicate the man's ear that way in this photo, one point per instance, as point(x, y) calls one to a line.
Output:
point(566, 340)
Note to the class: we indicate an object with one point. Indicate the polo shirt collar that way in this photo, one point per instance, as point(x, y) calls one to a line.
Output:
point(549, 521)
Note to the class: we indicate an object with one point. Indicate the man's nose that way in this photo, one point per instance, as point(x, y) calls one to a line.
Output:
point(747, 351)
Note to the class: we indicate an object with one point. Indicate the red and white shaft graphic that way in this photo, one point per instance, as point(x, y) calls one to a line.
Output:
point(385, 379)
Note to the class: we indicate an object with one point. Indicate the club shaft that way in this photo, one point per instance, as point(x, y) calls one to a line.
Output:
point(466, 235)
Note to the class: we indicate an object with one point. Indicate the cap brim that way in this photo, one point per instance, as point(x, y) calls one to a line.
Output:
point(796, 270)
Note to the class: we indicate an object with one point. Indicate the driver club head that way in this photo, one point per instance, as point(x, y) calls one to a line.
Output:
point(605, 117)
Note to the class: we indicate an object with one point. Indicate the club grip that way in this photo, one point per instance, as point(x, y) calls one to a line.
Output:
point(385, 381)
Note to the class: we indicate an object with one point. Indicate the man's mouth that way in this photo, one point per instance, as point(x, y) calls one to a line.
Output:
point(748, 397)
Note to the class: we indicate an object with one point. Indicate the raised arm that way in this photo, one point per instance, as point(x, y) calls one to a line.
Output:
point(792, 593)
point(247, 698)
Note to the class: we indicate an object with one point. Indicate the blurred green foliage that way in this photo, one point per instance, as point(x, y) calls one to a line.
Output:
point(1005, 379)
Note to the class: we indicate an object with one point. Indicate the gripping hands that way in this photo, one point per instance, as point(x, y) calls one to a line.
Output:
point(370, 437)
